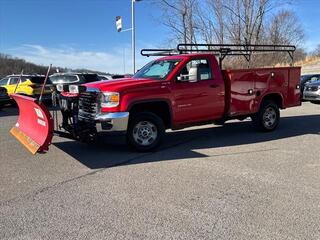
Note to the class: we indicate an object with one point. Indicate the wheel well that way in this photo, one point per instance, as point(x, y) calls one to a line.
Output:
point(276, 97)
point(160, 108)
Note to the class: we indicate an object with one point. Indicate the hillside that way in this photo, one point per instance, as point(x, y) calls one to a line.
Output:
point(310, 65)
point(12, 65)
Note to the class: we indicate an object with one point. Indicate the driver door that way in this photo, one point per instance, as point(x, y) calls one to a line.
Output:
point(196, 93)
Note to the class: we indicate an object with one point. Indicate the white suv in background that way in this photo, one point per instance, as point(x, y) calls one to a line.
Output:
point(312, 92)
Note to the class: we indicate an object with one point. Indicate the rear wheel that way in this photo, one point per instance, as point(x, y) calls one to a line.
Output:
point(145, 131)
point(268, 117)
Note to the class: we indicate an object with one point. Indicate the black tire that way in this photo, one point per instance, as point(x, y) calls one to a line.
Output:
point(145, 131)
point(268, 117)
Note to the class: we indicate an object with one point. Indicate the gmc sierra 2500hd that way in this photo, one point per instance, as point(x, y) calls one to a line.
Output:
point(183, 88)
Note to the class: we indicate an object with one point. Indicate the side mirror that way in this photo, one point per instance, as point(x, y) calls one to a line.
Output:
point(183, 78)
point(193, 78)
point(187, 78)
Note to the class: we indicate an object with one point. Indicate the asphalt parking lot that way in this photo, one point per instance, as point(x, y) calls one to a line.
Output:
point(208, 182)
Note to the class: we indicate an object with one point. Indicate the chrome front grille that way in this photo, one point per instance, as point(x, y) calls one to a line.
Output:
point(88, 105)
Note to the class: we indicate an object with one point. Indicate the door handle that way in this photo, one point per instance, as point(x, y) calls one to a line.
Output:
point(214, 85)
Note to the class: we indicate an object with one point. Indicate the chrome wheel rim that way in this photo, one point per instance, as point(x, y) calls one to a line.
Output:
point(269, 117)
point(145, 133)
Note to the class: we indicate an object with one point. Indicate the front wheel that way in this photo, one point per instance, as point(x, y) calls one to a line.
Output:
point(145, 131)
point(268, 117)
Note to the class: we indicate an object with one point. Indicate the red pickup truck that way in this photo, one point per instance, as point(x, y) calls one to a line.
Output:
point(178, 91)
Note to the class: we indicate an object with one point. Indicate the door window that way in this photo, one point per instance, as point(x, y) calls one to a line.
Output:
point(315, 78)
point(4, 81)
point(158, 69)
point(64, 78)
point(13, 80)
point(196, 70)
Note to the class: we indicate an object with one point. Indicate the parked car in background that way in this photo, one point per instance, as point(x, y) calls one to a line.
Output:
point(4, 97)
point(110, 77)
point(30, 85)
point(306, 79)
point(312, 92)
point(104, 77)
point(73, 78)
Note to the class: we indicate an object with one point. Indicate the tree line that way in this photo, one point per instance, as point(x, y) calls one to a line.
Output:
point(235, 22)
point(12, 65)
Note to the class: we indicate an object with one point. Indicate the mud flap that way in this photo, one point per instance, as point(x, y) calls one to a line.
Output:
point(34, 128)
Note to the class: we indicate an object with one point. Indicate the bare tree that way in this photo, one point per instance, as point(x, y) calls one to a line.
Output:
point(316, 52)
point(178, 16)
point(246, 19)
point(234, 21)
point(210, 21)
point(285, 29)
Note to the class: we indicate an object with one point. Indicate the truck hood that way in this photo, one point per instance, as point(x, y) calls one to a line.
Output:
point(119, 84)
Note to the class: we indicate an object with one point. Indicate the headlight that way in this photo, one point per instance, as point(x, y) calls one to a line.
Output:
point(60, 87)
point(110, 99)
point(73, 88)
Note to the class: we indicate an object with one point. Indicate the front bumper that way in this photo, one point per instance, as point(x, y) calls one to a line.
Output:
point(112, 122)
point(311, 96)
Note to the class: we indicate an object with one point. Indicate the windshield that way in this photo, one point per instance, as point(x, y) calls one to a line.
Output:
point(158, 69)
point(90, 78)
point(63, 78)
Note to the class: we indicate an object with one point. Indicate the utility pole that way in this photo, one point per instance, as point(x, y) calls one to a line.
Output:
point(133, 37)
point(133, 33)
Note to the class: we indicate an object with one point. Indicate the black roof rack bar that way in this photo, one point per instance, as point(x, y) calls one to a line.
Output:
point(221, 50)
point(172, 52)
point(158, 52)
point(234, 48)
